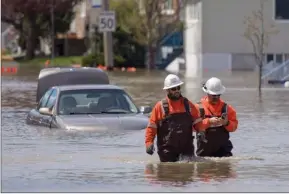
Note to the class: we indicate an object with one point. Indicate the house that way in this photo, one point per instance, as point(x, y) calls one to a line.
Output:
point(9, 38)
point(78, 24)
point(213, 36)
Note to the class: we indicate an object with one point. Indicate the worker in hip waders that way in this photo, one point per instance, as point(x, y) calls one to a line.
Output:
point(219, 119)
point(173, 120)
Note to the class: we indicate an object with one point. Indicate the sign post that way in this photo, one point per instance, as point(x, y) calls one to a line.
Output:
point(95, 6)
point(106, 24)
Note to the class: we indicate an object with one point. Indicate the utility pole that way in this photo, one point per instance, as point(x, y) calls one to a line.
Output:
point(52, 32)
point(107, 41)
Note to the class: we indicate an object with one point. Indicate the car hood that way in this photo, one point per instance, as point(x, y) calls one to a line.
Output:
point(104, 122)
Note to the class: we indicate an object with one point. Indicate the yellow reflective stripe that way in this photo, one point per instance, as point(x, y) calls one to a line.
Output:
point(197, 121)
point(152, 125)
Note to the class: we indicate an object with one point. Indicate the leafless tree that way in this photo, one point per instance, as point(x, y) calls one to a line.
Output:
point(258, 33)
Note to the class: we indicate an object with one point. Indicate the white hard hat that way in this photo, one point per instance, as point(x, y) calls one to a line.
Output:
point(286, 84)
point(172, 81)
point(214, 86)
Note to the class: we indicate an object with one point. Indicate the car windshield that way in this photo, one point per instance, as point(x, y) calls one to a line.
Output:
point(95, 101)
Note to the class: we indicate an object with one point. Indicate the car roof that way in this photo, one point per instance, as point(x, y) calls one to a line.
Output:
point(55, 76)
point(54, 70)
point(88, 86)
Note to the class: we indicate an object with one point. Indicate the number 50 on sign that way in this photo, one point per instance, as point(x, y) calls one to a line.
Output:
point(106, 21)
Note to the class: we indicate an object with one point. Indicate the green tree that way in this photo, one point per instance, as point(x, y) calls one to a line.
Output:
point(32, 18)
point(44, 28)
point(130, 52)
point(127, 51)
point(145, 19)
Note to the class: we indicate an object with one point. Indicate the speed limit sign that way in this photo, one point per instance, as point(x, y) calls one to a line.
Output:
point(106, 21)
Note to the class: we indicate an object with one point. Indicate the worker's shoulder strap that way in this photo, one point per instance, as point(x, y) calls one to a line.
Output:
point(201, 109)
point(187, 106)
point(224, 109)
point(165, 106)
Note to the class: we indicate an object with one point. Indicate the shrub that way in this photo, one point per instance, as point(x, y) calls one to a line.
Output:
point(119, 61)
point(92, 60)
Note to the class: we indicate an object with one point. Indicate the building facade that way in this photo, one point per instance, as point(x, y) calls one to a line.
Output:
point(214, 33)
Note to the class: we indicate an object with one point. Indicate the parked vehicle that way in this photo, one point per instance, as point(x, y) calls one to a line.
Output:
point(83, 99)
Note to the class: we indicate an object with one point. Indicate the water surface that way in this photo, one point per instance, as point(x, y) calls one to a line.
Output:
point(36, 159)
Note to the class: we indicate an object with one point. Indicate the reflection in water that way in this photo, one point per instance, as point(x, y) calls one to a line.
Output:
point(217, 171)
point(180, 174)
point(177, 174)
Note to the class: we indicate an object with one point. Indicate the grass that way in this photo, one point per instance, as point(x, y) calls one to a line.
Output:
point(57, 61)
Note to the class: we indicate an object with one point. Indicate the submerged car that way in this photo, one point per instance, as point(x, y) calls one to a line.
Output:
point(83, 99)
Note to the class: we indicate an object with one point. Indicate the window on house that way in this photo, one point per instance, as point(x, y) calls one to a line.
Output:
point(279, 58)
point(281, 10)
point(168, 5)
point(270, 57)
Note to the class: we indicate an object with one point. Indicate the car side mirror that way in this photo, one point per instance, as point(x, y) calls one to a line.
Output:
point(45, 111)
point(145, 109)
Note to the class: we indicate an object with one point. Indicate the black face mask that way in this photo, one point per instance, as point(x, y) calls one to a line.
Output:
point(173, 97)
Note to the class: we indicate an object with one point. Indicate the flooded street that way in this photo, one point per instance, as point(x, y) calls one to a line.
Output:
point(36, 159)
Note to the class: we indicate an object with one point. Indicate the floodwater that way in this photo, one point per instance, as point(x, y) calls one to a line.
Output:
point(37, 159)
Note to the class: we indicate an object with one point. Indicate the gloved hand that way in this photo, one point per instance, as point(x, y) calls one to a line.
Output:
point(202, 136)
point(150, 149)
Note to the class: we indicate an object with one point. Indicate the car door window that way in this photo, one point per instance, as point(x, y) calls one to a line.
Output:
point(51, 100)
point(44, 99)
